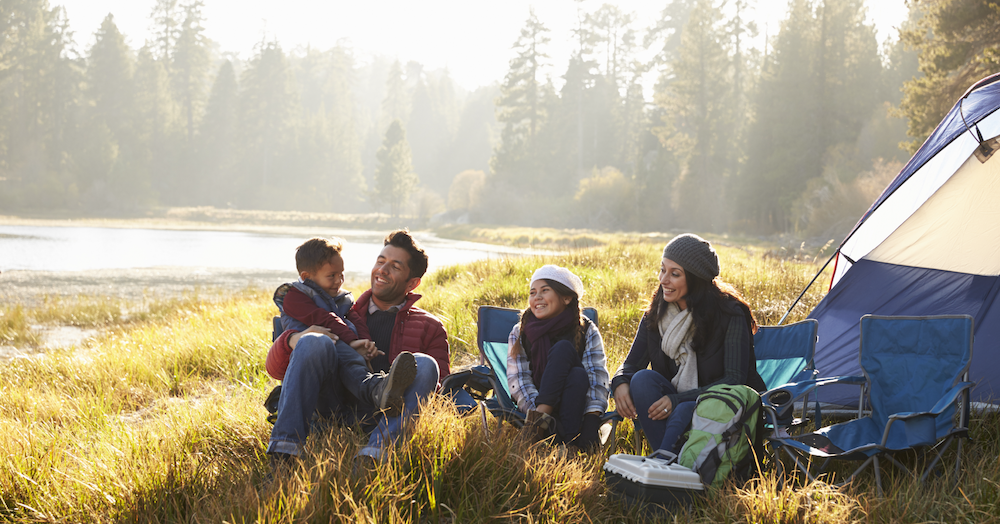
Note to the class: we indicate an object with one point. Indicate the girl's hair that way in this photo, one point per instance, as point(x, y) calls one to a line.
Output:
point(576, 330)
point(704, 299)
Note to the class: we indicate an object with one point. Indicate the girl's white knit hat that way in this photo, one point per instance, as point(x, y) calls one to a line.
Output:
point(561, 275)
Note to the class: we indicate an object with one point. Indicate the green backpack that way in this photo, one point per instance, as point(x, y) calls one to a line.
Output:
point(725, 434)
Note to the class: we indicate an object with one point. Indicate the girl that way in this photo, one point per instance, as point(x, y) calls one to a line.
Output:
point(556, 364)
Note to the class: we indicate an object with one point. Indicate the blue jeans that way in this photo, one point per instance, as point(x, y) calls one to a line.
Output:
point(328, 379)
point(648, 386)
point(564, 385)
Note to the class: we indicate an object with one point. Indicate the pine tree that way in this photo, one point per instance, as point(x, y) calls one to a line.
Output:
point(189, 64)
point(521, 107)
point(165, 28)
point(958, 45)
point(395, 105)
point(111, 152)
point(697, 106)
point(395, 180)
point(153, 123)
point(39, 97)
point(818, 89)
point(268, 125)
point(217, 153)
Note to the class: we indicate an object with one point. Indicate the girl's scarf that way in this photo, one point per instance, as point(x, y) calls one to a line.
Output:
point(538, 333)
point(676, 330)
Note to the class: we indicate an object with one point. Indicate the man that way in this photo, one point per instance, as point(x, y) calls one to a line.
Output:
point(319, 376)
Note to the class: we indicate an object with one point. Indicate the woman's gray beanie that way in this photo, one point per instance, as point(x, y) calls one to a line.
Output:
point(694, 254)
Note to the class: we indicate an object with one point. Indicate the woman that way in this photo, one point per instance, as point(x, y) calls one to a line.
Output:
point(697, 332)
point(555, 366)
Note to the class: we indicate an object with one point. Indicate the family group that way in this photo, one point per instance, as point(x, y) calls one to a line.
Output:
point(371, 361)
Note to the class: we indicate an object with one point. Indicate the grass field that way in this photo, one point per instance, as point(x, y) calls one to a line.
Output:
point(160, 419)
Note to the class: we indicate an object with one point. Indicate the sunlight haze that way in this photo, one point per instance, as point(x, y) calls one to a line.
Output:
point(471, 39)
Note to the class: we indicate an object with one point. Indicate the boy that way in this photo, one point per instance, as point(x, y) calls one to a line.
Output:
point(316, 299)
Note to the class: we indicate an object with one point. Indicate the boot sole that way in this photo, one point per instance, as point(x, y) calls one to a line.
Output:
point(401, 374)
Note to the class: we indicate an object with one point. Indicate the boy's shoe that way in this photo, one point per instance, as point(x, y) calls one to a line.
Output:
point(537, 426)
point(388, 389)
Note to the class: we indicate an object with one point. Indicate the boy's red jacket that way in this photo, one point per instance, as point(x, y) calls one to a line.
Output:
point(301, 307)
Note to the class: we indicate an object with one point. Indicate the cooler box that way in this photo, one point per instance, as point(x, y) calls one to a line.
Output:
point(653, 480)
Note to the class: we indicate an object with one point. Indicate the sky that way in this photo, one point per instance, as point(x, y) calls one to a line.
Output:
point(471, 38)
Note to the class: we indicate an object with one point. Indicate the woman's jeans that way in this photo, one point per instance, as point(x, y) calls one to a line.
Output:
point(648, 386)
point(564, 386)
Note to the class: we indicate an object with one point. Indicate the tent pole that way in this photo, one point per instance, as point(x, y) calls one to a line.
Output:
point(790, 308)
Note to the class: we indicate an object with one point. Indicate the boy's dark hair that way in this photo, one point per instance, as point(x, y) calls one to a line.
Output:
point(402, 239)
point(315, 252)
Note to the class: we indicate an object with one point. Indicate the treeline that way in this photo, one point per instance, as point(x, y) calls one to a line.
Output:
point(799, 136)
point(775, 139)
point(177, 122)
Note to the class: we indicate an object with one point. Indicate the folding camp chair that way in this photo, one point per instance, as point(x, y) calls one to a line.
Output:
point(494, 326)
point(785, 355)
point(916, 372)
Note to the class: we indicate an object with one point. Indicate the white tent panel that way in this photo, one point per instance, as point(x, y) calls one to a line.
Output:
point(912, 194)
point(968, 241)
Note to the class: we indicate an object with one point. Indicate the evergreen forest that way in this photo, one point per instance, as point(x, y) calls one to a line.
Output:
point(799, 135)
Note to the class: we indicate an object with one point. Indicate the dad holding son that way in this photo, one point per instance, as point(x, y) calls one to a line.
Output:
point(323, 367)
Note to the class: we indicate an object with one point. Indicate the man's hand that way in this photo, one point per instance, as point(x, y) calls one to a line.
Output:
point(294, 339)
point(366, 348)
point(623, 402)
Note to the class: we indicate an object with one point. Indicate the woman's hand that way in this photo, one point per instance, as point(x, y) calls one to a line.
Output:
point(294, 339)
point(623, 402)
point(661, 409)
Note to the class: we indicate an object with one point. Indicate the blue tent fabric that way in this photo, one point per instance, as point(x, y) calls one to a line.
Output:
point(900, 290)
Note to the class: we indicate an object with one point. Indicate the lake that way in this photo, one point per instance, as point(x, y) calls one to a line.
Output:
point(44, 261)
point(36, 248)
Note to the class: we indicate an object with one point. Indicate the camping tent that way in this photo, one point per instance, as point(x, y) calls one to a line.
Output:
point(929, 245)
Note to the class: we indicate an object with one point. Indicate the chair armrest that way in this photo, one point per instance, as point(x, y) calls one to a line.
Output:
point(946, 400)
point(796, 390)
point(782, 398)
point(923, 431)
point(611, 416)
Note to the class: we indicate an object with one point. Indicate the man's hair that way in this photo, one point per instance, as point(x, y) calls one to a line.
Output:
point(402, 239)
point(315, 252)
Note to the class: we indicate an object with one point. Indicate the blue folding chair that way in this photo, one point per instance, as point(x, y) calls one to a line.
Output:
point(494, 326)
point(785, 354)
point(916, 375)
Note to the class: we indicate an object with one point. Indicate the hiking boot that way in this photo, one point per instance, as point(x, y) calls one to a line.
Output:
point(388, 388)
point(537, 426)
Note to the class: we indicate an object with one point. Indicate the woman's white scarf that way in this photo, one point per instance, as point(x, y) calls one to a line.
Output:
point(676, 329)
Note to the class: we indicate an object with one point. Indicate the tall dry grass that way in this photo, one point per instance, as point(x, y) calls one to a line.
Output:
point(160, 421)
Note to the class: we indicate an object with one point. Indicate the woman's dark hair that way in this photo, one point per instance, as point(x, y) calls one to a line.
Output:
point(704, 299)
point(573, 331)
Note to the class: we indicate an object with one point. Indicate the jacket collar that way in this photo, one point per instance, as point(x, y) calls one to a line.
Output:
point(365, 299)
